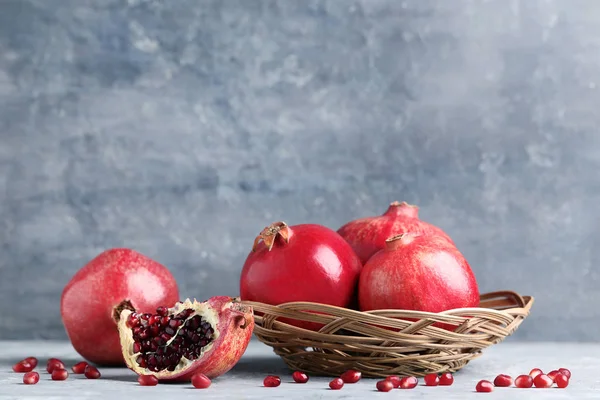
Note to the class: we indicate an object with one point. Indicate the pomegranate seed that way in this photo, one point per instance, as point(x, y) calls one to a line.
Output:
point(22, 366)
point(552, 374)
point(147, 380)
point(524, 381)
point(162, 311)
point(34, 362)
point(563, 371)
point(200, 381)
point(79, 368)
point(92, 372)
point(337, 384)
point(384, 385)
point(300, 377)
point(484, 386)
point(535, 372)
point(561, 380)
point(446, 379)
point(503, 381)
point(31, 378)
point(432, 380)
point(351, 376)
point(409, 382)
point(272, 381)
point(53, 364)
point(542, 381)
point(395, 380)
point(59, 374)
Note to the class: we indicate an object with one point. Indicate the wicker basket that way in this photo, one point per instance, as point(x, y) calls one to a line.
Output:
point(359, 340)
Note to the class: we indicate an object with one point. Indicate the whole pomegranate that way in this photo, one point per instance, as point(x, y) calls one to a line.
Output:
point(306, 262)
point(417, 272)
point(189, 338)
point(368, 235)
point(88, 301)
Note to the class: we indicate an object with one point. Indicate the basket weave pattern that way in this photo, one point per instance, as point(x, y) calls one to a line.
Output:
point(387, 342)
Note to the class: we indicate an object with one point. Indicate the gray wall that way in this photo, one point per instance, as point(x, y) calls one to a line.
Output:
point(182, 128)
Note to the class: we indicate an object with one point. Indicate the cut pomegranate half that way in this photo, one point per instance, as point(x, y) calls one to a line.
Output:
point(191, 337)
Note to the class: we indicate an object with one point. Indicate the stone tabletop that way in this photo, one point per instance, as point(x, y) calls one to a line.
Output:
point(245, 380)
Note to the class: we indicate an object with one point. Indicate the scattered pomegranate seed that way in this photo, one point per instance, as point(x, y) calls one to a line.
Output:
point(162, 311)
point(300, 377)
point(394, 379)
point(524, 381)
point(22, 366)
point(54, 363)
point(32, 360)
point(542, 381)
point(147, 380)
point(446, 379)
point(59, 374)
point(200, 381)
point(484, 386)
point(351, 376)
point(384, 385)
point(563, 371)
point(552, 374)
point(561, 380)
point(535, 372)
point(336, 384)
point(79, 368)
point(431, 380)
point(503, 380)
point(92, 372)
point(31, 378)
point(409, 382)
point(272, 381)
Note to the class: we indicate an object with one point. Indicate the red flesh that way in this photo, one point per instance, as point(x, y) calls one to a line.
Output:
point(200, 381)
point(552, 374)
point(446, 379)
point(305, 262)
point(147, 380)
point(79, 368)
point(503, 381)
point(53, 364)
point(565, 372)
point(384, 385)
point(351, 376)
point(368, 235)
point(395, 380)
point(272, 381)
point(300, 377)
point(422, 273)
point(88, 300)
point(524, 381)
point(32, 360)
point(542, 381)
point(431, 380)
point(92, 372)
point(535, 372)
point(59, 374)
point(561, 380)
point(22, 366)
point(409, 382)
point(484, 386)
point(336, 384)
point(31, 378)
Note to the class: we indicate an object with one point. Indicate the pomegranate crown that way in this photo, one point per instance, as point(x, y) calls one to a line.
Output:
point(270, 233)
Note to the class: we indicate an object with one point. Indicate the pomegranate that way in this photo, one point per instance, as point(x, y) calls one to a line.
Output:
point(305, 262)
point(417, 272)
point(484, 386)
point(368, 235)
point(31, 378)
point(32, 361)
point(535, 372)
point(524, 381)
point(54, 363)
point(23, 366)
point(191, 337)
point(351, 376)
point(409, 382)
point(200, 381)
point(338, 383)
point(384, 385)
point(542, 381)
point(91, 372)
point(503, 380)
point(563, 371)
point(395, 379)
point(147, 380)
point(431, 380)
point(272, 381)
point(59, 374)
point(446, 379)
point(79, 368)
point(552, 374)
point(89, 298)
point(561, 380)
point(300, 377)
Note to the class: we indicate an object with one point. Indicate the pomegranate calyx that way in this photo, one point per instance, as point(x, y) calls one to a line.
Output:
point(270, 233)
point(397, 208)
point(124, 305)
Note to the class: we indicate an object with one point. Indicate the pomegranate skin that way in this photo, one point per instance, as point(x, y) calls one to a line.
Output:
point(233, 322)
point(306, 262)
point(416, 272)
point(88, 300)
point(368, 235)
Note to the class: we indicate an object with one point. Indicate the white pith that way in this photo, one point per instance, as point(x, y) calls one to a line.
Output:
point(126, 336)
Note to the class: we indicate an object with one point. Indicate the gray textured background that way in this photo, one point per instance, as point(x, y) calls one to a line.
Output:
point(182, 128)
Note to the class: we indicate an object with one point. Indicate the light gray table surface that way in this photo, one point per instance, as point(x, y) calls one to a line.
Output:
point(245, 380)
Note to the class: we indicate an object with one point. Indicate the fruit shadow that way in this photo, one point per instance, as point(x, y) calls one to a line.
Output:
point(261, 365)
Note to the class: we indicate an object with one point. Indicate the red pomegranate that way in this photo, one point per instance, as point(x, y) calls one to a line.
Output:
point(417, 272)
point(89, 299)
point(368, 235)
point(307, 262)
point(174, 344)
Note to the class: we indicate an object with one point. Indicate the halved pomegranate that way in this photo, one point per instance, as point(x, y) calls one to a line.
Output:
point(191, 337)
